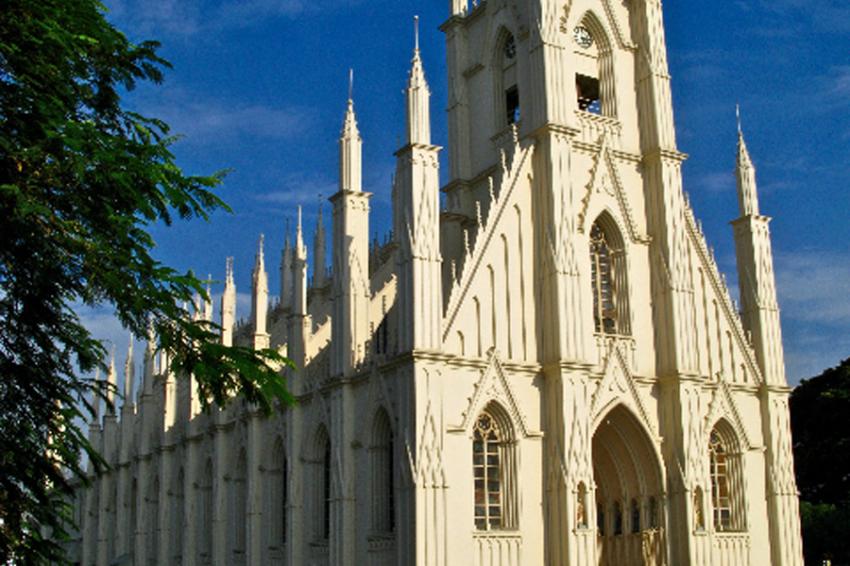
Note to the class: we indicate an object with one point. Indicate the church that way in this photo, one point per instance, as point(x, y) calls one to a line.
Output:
point(542, 366)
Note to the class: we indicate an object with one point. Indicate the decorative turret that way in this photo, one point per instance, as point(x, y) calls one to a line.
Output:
point(350, 147)
point(319, 267)
point(260, 298)
point(351, 292)
point(418, 98)
point(286, 272)
point(416, 215)
point(129, 375)
point(299, 272)
point(756, 280)
point(296, 346)
point(228, 305)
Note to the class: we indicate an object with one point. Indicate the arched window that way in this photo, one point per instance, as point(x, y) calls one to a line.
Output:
point(276, 492)
point(594, 60)
point(727, 479)
point(653, 513)
point(238, 509)
point(508, 83)
point(322, 487)
point(721, 498)
point(600, 518)
point(383, 496)
point(152, 526)
point(177, 503)
point(203, 534)
point(608, 278)
point(493, 463)
point(617, 511)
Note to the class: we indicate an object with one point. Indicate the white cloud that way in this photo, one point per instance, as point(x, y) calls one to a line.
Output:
point(204, 121)
point(815, 286)
point(300, 189)
point(188, 18)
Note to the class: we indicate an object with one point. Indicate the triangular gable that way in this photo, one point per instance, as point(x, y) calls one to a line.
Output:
point(618, 387)
point(723, 405)
point(493, 385)
point(605, 179)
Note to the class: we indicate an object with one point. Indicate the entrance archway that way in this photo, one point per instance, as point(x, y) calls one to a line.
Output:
point(629, 493)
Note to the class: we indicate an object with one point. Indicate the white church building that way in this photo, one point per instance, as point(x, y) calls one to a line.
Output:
point(542, 366)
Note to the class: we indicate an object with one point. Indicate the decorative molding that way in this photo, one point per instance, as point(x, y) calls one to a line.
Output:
point(493, 385)
point(618, 387)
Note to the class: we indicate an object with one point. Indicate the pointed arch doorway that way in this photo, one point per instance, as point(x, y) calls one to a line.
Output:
point(629, 493)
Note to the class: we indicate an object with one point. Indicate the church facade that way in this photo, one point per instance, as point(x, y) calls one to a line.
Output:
point(541, 366)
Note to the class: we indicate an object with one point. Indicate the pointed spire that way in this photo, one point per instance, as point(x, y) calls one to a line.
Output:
point(286, 270)
point(260, 296)
point(319, 268)
point(745, 175)
point(350, 147)
point(228, 305)
point(129, 374)
point(207, 301)
point(418, 95)
point(300, 248)
point(299, 271)
point(112, 384)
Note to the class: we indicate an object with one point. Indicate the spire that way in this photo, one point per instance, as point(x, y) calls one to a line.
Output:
point(260, 297)
point(745, 175)
point(299, 272)
point(207, 306)
point(286, 270)
point(319, 267)
point(300, 248)
point(228, 305)
point(148, 363)
point(350, 147)
point(418, 94)
point(112, 384)
point(129, 374)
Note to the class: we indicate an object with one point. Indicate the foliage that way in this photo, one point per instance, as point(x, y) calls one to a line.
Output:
point(82, 179)
point(821, 427)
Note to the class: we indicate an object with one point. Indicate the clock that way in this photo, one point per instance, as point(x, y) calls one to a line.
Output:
point(510, 48)
point(582, 37)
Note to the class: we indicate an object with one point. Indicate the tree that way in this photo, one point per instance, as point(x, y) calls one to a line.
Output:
point(82, 179)
point(819, 419)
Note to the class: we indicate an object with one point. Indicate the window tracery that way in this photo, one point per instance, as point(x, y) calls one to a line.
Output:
point(720, 493)
point(608, 280)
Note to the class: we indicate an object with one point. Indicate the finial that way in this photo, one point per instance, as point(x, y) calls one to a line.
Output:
point(350, 84)
point(299, 219)
point(416, 32)
point(261, 244)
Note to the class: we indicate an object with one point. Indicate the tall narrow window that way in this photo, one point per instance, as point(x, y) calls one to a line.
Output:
point(653, 513)
point(275, 496)
point(600, 518)
point(177, 514)
point(238, 509)
point(594, 63)
point(153, 522)
point(487, 467)
point(383, 514)
point(581, 506)
point(509, 84)
point(618, 518)
point(326, 492)
point(601, 272)
point(203, 533)
point(720, 494)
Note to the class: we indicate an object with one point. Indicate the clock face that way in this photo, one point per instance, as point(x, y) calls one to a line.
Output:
point(583, 37)
point(510, 48)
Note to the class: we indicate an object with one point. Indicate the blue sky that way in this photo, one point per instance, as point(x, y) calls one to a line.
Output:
point(259, 86)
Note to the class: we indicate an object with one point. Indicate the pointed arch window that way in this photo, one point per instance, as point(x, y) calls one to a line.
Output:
point(276, 496)
point(238, 509)
point(726, 481)
point(493, 465)
point(508, 81)
point(204, 525)
point(608, 279)
point(178, 503)
point(594, 59)
point(321, 498)
point(383, 481)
